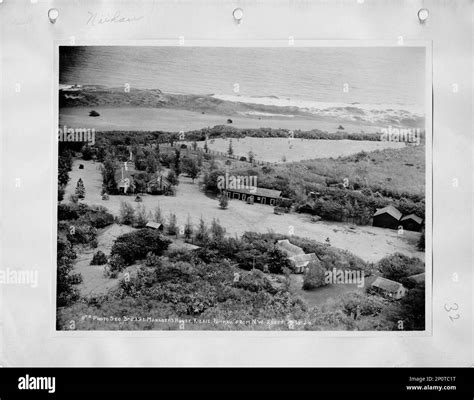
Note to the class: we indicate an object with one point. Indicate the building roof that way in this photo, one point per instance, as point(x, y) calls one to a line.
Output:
point(158, 179)
point(418, 277)
point(302, 260)
point(391, 210)
point(153, 224)
point(186, 246)
point(413, 217)
point(387, 284)
point(289, 249)
point(264, 192)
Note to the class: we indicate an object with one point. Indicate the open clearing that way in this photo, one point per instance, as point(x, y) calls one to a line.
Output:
point(368, 242)
point(326, 297)
point(288, 150)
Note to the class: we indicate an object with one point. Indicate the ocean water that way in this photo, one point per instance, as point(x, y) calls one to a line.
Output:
point(362, 80)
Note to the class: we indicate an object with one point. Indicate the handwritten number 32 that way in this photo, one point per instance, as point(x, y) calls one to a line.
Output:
point(448, 309)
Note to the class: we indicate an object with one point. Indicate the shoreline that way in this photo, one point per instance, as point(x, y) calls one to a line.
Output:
point(247, 111)
point(175, 120)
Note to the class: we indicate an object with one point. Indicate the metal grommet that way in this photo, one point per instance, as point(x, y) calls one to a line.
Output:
point(423, 14)
point(238, 14)
point(53, 15)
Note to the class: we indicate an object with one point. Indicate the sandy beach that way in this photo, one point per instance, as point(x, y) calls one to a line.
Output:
point(175, 120)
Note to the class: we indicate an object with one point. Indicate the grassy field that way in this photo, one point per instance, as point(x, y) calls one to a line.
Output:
point(368, 242)
point(289, 150)
point(399, 169)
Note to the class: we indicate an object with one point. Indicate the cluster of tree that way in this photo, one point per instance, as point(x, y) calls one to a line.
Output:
point(187, 284)
point(64, 166)
point(99, 258)
point(226, 131)
point(331, 203)
point(136, 245)
point(96, 216)
point(67, 292)
point(108, 169)
point(410, 310)
point(77, 224)
point(123, 139)
point(399, 267)
point(226, 277)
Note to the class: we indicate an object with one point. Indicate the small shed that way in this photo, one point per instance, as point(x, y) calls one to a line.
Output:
point(301, 261)
point(418, 278)
point(387, 217)
point(388, 288)
point(412, 222)
point(154, 225)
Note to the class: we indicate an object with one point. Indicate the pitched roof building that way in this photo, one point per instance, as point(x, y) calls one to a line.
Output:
point(296, 255)
point(389, 288)
point(411, 222)
point(387, 217)
point(154, 225)
point(259, 195)
point(288, 248)
point(158, 184)
point(418, 278)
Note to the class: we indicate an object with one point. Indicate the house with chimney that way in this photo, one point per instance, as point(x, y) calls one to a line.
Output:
point(158, 185)
point(124, 177)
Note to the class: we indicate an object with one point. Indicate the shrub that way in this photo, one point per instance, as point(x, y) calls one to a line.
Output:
point(66, 292)
point(173, 178)
point(99, 258)
point(158, 215)
point(152, 260)
point(217, 230)
point(188, 229)
point(141, 216)
point(172, 227)
point(410, 309)
point(356, 304)
point(98, 217)
point(255, 281)
point(127, 214)
point(80, 189)
point(315, 276)
point(278, 261)
point(136, 245)
point(116, 265)
point(80, 233)
point(398, 266)
point(223, 201)
point(202, 233)
point(67, 211)
point(421, 242)
point(61, 191)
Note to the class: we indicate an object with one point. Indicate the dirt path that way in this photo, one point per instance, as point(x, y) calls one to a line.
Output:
point(93, 280)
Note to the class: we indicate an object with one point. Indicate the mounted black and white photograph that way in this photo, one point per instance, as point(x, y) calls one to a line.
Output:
point(248, 188)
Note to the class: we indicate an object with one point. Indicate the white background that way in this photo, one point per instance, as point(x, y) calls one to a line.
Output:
point(27, 210)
